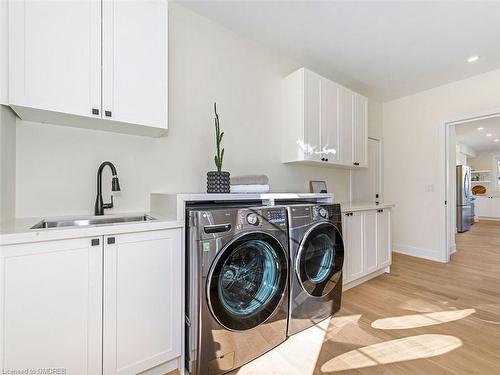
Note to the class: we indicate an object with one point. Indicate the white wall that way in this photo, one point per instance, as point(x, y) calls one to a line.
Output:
point(415, 158)
point(7, 164)
point(56, 166)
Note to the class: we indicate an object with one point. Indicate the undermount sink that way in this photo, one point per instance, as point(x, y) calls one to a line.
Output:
point(81, 222)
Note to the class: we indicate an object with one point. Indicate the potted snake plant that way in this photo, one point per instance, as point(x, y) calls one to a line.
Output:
point(218, 181)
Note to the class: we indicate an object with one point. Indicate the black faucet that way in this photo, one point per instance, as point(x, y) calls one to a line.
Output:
point(115, 186)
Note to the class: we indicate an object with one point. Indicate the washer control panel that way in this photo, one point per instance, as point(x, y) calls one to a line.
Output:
point(265, 217)
point(276, 216)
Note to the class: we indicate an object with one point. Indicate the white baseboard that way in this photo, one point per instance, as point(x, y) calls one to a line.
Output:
point(485, 218)
point(452, 249)
point(361, 280)
point(419, 252)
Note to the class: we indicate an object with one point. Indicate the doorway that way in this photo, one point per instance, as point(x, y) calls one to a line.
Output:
point(366, 183)
point(472, 158)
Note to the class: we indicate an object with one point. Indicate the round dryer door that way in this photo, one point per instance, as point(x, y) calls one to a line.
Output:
point(320, 259)
point(246, 281)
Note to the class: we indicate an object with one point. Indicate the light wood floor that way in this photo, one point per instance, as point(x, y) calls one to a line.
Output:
point(424, 318)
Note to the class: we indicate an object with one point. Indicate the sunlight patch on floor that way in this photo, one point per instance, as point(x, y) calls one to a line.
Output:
point(423, 306)
point(405, 349)
point(347, 330)
point(305, 346)
point(421, 320)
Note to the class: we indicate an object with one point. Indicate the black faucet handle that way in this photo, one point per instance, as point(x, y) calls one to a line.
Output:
point(108, 205)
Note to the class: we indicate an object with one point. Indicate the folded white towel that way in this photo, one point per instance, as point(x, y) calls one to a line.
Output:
point(250, 179)
point(249, 188)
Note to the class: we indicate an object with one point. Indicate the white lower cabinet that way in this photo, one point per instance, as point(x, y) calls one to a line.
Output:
point(483, 207)
point(487, 207)
point(384, 243)
point(370, 235)
point(142, 301)
point(353, 245)
point(96, 305)
point(367, 242)
point(51, 297)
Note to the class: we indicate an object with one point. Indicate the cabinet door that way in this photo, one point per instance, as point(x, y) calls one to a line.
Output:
point(55, 55)
point(495, 207)
point(482, 206)
point(370, 234)
point(353, 245)
point(52, 306)
point(312, 116)
point(135, 61)
point(360, 130)
point(142, 300)
point(346, 126)
point(330, 120)
point(384, 250)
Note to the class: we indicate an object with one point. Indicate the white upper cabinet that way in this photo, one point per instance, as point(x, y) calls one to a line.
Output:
point(55, 56)
point(4, 53)
point(360, 130)
point(135, 58)
point(346, 127)
point(312, 115)
point(330, 129)
point(324, 123)
point(92, 64)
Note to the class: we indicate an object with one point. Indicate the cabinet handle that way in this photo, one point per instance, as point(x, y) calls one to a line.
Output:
point(107, 113)
point(356, 163)
point(94, 242)
point(326, 159)
point(95, 111)
point(111, 240)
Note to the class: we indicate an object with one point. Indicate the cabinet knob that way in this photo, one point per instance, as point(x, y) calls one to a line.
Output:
point(94, 242)
point(95, 111)
point(107, 113)
point(326, 159)
point(111, 240)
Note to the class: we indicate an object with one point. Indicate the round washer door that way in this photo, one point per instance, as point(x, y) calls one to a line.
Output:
point(320, 259)
point(246, 281)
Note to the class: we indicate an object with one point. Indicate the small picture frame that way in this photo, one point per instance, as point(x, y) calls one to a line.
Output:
point(317, 187)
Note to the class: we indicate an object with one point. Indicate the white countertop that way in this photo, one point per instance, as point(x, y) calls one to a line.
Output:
point(200, 197)
point(363, 206)
point(176, 203)
point(18, 230)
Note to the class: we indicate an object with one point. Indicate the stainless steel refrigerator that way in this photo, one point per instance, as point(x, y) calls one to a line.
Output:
point(465, 199)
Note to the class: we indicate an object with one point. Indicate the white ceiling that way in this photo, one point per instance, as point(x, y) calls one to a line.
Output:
point(469, 135)
point(382, 49)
